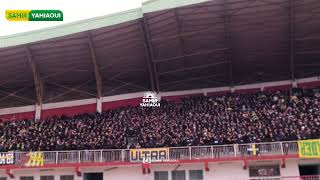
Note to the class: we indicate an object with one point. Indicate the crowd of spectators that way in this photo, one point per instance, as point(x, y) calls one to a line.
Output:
point(208, 120)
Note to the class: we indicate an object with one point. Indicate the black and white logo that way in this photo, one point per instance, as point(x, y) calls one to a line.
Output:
point(150, 99)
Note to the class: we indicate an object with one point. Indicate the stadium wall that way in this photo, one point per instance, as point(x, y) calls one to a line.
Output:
point(133, 99)
point(26, 112)
point(221, 171)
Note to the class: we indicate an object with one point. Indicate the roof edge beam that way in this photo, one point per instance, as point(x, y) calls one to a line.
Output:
point(38, 82)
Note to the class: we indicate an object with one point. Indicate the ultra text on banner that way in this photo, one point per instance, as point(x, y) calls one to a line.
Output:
point(149, 155)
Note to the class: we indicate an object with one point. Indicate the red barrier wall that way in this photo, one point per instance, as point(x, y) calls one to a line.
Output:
point(18, 116)
point(218, 93)
point(179, 98)
point(278, 88)
point(172, 98)
point(309, 85)
point(69, 111)
point(115, 104)
point(242, 91)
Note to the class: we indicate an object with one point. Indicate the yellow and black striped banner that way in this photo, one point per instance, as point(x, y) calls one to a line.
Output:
point(309, 148)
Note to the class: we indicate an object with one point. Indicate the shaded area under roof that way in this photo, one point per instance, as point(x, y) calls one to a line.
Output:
point(207, 44)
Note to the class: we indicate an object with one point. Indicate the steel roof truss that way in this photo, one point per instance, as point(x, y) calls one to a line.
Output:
point(95, 65)
point(38, 82)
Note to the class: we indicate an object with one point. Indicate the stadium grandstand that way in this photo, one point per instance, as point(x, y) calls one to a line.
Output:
point(173, 90)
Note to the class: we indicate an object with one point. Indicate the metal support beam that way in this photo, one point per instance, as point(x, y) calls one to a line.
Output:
point(17, 96)
point(13, 94)
point(179, 27)
point(228, 55)
point(150, 50)
point(74, 89)
point(36, 76)
point(190, 79)
point(291, 38)
point(194, 67)
point(95, 66)
point(190, 55)
point(148, 55)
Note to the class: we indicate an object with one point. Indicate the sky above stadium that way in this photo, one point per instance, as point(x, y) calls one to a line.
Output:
point(73, 10)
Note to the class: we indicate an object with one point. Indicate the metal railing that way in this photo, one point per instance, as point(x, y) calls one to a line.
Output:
point(306, 177)
point(175, 153)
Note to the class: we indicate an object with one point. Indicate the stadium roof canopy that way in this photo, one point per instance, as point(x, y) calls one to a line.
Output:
point(165, 46)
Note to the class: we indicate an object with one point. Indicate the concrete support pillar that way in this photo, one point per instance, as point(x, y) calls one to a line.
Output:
point(294, 84)
point(38, 112)
point(205, 92)
point(99, 105)
point(159, 96)
point(232, 90)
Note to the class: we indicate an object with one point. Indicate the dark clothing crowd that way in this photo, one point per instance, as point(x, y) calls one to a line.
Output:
point(232, 118)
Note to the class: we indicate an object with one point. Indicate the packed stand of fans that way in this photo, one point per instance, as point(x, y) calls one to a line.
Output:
point(208, 120)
